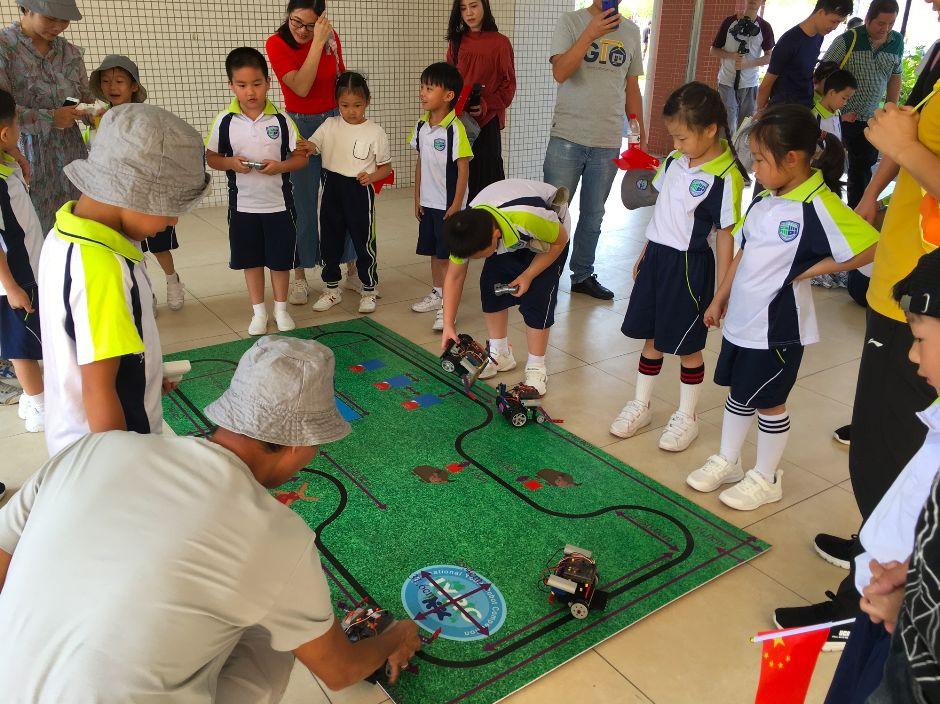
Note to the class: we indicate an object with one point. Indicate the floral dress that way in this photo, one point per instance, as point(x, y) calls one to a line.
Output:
point(39, 85)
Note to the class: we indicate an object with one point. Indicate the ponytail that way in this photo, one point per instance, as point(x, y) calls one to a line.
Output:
point(830, 160)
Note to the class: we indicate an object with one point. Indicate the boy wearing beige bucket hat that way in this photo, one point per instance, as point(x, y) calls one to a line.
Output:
point(102, 354)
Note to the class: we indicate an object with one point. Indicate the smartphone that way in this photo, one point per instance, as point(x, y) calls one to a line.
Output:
point(475, 95)
point(71, 102)
point(610, 5)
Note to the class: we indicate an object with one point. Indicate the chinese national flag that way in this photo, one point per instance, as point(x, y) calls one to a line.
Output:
point(786, 667)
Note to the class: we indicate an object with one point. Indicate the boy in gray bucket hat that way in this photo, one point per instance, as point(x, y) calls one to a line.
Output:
point(104, 363)
point(219, 586)
point(59, 9)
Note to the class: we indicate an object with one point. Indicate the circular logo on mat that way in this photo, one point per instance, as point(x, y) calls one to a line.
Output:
point(464, 604)
point(698, 187)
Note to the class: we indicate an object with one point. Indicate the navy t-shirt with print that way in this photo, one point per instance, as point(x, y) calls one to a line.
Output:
point(793, 62)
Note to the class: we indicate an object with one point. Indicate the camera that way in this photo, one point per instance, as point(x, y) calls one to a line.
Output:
point(742, 30)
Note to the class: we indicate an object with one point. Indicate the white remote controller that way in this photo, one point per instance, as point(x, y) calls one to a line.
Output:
point(175, 371)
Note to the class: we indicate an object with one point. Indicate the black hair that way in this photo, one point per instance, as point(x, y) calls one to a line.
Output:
point(824, 70)
point(352, 82)
point(699, 106)
point(456, 27)
point(445, 75)
point(468, 232)
point(245, 57)
point(880, 7)
point(854, 22)
point(317, 6)
point(923, 279)
point(843, 8)
point(839, 80)
point(7, 108)
point(791, 127)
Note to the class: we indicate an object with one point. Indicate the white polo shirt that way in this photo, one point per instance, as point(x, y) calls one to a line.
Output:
point(782, 237)
point(272, 135)
point(349, 150)
point(828, 121)
point(96, 303)
point(20, 231)
point(695, 200)
point(439, 147)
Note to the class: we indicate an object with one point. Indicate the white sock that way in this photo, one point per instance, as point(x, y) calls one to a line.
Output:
point(174, 277)
point(259, 309)
point(439, 292)
point(772, 435)
point(688, 398)
point(536, 361)
point(280, 306)
point(646, 377)
point(500, 346)
point(734, 429)
point(37, 401)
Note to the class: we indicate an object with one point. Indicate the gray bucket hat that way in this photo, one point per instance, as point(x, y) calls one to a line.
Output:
point(282, 392)
point(637, 189)
point(117, 61)
point(146, 159)
point(60, 9)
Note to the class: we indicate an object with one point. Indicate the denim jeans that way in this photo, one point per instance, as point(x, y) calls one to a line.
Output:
point(306, 183)
point(567, 163)
point(739, 104)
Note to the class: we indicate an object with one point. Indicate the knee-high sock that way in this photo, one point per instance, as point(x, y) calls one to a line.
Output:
point(734, 429)
point(646, 375)
point(690, 386)
point(772, 434)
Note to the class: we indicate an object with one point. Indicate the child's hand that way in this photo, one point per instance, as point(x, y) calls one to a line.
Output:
point(523, 281)
point(272, 167)
point(364, 178)
point(715, 313)
point(306, 147)
point(237, 164)
point(449, 335)
point(19, 299)
point(169, 386)
point(419, 211)
point(452, 210)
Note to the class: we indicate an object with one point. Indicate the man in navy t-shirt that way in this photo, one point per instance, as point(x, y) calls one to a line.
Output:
point(789, 78)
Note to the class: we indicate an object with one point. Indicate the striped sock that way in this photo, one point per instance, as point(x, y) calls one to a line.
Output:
point(690, 385)
point(646, 375)
point(772, 435)
point(734, 427)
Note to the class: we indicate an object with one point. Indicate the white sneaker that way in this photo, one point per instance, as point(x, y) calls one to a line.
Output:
point(679, 432)
point(175, 293)
point(715, 472)
point(634, 416)
point(285, 323)
point(498, 363)
point(258, 324)
point(432, 301)
point(367, 303)
point(35, 418)
point(299, 292)
point(753, 491)
point(328, 299)
point(438, 321)
point(537, 378)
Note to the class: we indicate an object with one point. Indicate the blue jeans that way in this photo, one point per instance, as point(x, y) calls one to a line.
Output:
point(567, 163)
point(306, 183)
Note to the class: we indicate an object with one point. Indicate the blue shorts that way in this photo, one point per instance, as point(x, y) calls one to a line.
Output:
point(431, 235)
point(537, 305)
point(670, 295)
point(19, 330)
point(161, 242)
point(262, 240)
point(758, 378)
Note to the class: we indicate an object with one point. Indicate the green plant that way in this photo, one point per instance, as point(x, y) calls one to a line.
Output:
point(908, 72)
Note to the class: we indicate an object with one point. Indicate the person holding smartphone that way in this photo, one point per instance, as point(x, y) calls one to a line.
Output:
point(47, 78)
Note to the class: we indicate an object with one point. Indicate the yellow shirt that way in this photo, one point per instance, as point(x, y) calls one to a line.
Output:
point(901, 244)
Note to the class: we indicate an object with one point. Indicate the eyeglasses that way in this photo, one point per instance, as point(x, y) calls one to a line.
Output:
point(298, 25)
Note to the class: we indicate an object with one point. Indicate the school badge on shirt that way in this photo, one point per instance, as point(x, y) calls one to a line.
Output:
point(788, 230)
point(440, 145)
point(698, 187)
point(274, 131)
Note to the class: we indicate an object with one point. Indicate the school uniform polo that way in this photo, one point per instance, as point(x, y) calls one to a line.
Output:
point(528, 227)
point(21, 243)
point(97, 303)
point(827, 120)
point(676, 278)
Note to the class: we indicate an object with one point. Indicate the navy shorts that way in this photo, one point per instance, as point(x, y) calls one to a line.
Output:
point(161, 242)
point(670, 295)
point(758, 378)
point(262, 240)
point(537, 305)
point(431, 235)
point(19, 330)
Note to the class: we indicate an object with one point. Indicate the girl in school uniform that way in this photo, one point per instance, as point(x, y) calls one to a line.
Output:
point(700, 186)
point(796, 229)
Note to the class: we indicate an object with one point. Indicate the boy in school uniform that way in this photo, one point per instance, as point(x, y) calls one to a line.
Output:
point(20, 247)
point(521, 228)
point(441, 175)
point(262, 232)
point(101, 348)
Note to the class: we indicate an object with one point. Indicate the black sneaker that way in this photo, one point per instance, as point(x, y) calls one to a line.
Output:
point(592, 287)
point(842, 436)
point(824, 612)
point(835, 550)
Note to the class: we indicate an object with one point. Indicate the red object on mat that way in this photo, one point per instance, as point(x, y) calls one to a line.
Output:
point(411, 405)
point(786, 667)
point(357, 368)
point(456, 467)
point(387, 181)
point(532, 484)
point(636, 158)
point(382, 385)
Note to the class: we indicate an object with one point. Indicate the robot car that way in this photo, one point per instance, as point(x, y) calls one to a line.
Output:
point(465, 358)
point(573, 581)
point(520, 404)
point(365, 621)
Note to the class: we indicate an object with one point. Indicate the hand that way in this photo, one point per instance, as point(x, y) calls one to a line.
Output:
point(715, 313)
point(893, 130)
point(272, 167)
point(322, 31)
point(523, 281)
point(449, 335)
point(364, 179)
point(452, 210)
point(602, 24)
point(408, 644)
point(419, 211)
point(19, 299)
point(883, 597)
point(237, 164)
point(65, 117)
point(169, 386)
point(867, 209)
point(24, 165)
point(306, 147)
point(741, 63)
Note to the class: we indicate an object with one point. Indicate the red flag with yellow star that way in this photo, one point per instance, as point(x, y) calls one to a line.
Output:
point(786, 667)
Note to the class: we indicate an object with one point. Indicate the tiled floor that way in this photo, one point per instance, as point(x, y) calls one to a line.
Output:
point(695, 650)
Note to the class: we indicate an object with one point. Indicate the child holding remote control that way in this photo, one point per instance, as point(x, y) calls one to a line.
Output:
point(255, 144)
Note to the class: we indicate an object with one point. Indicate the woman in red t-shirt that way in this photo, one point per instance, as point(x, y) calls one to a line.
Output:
point(484, 56)
point(306, 56)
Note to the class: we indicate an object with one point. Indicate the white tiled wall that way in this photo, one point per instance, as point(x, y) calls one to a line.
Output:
point(180, 46)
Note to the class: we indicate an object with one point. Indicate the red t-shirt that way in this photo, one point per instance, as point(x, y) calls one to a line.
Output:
point(285, 59)
point(487, 58)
